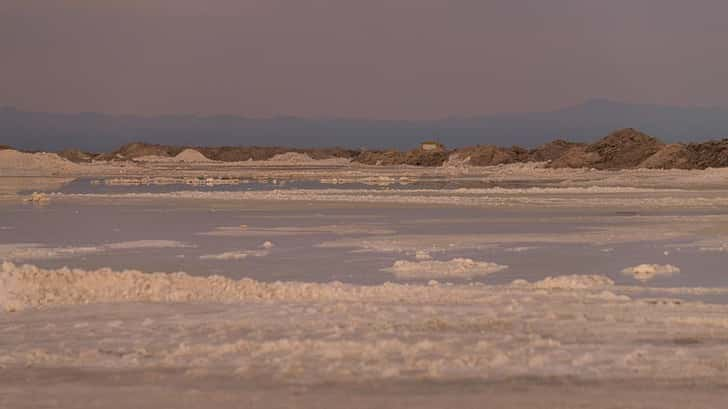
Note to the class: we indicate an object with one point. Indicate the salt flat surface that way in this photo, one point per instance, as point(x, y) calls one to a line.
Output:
point(610, 292)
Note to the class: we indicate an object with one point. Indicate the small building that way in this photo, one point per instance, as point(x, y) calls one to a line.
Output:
point(432, 146)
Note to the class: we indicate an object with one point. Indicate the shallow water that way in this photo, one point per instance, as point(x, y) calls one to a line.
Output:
point(325, 242)
point(98, 186)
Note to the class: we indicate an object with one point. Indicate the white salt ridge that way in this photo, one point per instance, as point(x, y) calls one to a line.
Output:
point(342, 229)
point(646, 272)
point(572, 282)
point(618, 198)
point(235, 255)
point(455, 268)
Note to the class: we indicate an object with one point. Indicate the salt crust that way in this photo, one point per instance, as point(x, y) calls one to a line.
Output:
point(647, 272)
point(454, 268)
point(35, 251)
point(302, 333)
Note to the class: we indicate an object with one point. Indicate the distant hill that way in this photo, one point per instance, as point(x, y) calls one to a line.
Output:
point(583, 123)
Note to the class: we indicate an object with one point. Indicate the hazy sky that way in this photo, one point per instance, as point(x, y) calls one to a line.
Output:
point(359, 58)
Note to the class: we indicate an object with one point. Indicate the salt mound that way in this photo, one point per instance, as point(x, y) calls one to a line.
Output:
point(455, 268)
point(646, 272)
point(574, 282)
point(191, 155)
point(19, 162)
point(291, 157)
point(456, 160)
point(186, 156)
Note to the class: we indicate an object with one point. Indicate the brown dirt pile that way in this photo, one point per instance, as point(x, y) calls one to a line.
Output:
point(623, 149)
point(490, 155)
point(77, 156)
point(140, 149)
point(416, 157)
point(552, 150)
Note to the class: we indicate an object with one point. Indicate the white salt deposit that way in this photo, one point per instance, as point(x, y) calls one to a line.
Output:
point(13, 162)
point(291, 157)
point(574, 281)
point(35, 251)
point(37, 197)
point(191, 155)
point(646, 272)
point(455, 268)
point(235, 255)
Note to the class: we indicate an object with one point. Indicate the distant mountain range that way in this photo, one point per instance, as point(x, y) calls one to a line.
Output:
point(582, 123)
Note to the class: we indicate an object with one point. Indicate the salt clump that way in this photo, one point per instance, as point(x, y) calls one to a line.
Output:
point(646, 272)
point(422, 255)
point(573, 282)
point(455, 268)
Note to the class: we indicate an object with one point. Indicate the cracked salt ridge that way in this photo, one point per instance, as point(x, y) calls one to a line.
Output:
point(35, 251)
point(296, 333)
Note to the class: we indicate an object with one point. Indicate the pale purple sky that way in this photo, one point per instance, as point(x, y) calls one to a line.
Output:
point(359, 58)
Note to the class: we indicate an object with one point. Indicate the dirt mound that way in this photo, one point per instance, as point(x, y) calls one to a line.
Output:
point(576, 157)
point(415, 157)
point(77, 156)
point(625, 148)
point(552, 150)
point(711, 154)
point(141, 149)
point(420, 157)
point(240, 154)
point(385, 158)
point(245, 153)
point(490, 155)
point(673, 156)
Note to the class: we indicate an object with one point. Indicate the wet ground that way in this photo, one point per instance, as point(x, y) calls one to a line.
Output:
point(322, 242)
